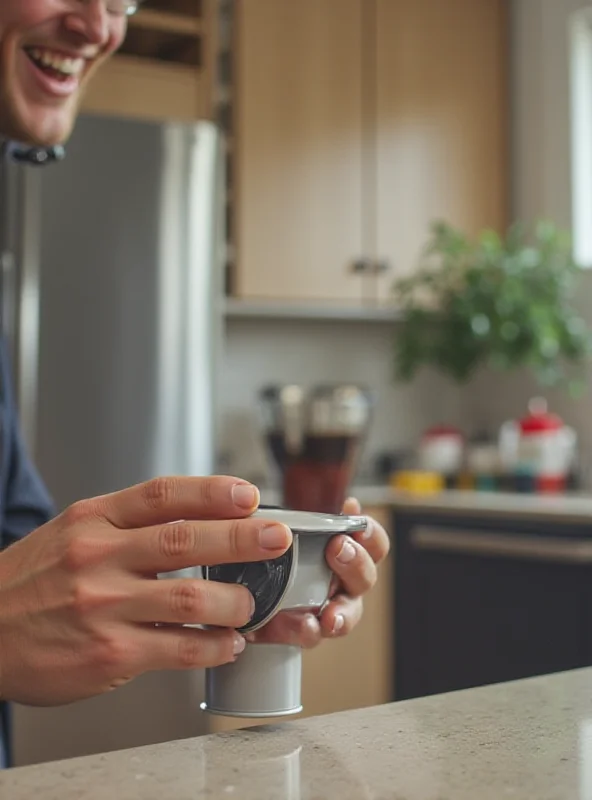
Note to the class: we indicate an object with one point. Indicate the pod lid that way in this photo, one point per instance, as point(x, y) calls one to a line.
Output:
point(313, 522)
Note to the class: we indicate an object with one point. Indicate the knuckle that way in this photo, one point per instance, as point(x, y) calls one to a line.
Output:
point(206, 492)
point(384, 549)
point(190, 652)
point(178, 540)
point(365, 582)
point(372, 576)
point(160, 493)
point(244, 606)
point(188, 600)
point(364, 566)
point(82, 511)
point(83, 600)
point(111, 654)
point(236, 539)
point(80, 552)
point(311, 641)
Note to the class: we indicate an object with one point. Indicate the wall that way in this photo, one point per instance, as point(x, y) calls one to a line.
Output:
point(541, 113)
point(263, 351)
point(541, 184)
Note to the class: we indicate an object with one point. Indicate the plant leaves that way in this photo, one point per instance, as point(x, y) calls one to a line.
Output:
point(501, 301)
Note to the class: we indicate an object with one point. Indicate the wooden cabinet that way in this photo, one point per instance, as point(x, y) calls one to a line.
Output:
point(165, 68)
point(357, 122)
point(298, 156)
point(442, 121)
point(354, 671)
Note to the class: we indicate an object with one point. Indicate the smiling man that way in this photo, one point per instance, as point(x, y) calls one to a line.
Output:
point(49, 50)
point(81, 609)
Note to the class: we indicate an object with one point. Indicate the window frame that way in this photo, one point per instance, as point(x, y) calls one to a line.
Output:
point(581, 133)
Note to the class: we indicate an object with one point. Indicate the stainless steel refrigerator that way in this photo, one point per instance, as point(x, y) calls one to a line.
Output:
point(111, 275)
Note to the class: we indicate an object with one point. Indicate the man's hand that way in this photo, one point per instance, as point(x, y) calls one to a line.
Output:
point(81, 611)
point(354, 561)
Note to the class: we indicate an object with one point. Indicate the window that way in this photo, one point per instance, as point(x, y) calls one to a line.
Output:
point(581, 134)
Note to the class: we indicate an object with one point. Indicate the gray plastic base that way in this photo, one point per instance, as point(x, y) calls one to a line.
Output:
point(265, 681)
point(250, 715)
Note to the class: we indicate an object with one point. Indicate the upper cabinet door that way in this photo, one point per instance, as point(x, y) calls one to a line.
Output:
point(442, 122)
point(298, 139)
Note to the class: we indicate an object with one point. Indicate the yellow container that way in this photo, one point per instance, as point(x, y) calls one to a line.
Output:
point(417, 481)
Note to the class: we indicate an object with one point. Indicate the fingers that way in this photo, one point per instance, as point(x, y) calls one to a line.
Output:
point(177, 649)
point(168, 499)
point(352, 507)
point(352, 564)
point(338, 618)
point(188, 602)
point(374, 539)
point(341, 615)
point(289, 627)
point(180, 545)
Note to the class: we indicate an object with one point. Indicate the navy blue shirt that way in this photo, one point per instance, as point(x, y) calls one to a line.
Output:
point(24, 501)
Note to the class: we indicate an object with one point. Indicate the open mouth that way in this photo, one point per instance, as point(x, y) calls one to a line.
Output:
point(55, 65)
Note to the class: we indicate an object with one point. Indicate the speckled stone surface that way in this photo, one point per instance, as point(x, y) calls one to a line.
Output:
point(573, 507)
point(524, 740)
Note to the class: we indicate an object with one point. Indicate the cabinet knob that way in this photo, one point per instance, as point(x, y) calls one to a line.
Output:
point(382, 266)
point(361, 266)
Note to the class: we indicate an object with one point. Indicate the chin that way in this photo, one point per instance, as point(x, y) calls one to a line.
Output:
point(42, 128)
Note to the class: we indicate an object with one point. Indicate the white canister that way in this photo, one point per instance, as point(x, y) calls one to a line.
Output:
point(441, 450)
point(540, 444)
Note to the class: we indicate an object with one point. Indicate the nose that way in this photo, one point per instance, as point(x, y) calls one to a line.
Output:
point(90, 19)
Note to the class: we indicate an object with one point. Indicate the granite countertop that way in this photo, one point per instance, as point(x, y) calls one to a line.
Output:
point(522, 740)
point(575, 507)
point(570, 507)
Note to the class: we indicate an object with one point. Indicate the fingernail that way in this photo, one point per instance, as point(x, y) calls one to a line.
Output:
point(367, 534)
point(347, 552)
point(239, 644)
point(245, 496)
point(338, 623)
point(352, 501)
point(274, 537)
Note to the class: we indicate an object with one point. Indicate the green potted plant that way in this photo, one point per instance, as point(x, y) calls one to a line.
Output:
point(501, 302)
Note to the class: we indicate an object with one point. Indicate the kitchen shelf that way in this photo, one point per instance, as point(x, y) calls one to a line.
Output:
point(171, 31)
point(154, 20)
point(167, 45)
point(131, 86)
point(166, 66)
point(248, 309)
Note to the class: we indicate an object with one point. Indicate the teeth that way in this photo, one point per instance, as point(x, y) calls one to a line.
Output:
point(65, 65)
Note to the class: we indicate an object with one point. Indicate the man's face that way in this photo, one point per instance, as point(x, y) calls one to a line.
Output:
point(48, 51)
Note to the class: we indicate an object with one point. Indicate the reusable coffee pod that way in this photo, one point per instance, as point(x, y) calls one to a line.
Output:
point(265, 680)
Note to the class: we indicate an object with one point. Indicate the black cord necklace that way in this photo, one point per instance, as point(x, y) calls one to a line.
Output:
point(25, 154)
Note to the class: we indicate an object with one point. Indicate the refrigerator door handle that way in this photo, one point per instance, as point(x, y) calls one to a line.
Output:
point(9, 295)
point(28, 322)
point(493, 544)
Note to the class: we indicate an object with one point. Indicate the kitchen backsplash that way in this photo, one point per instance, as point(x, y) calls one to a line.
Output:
point(259, 352)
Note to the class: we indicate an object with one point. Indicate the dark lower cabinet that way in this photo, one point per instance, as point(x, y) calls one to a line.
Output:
point(483, 601)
